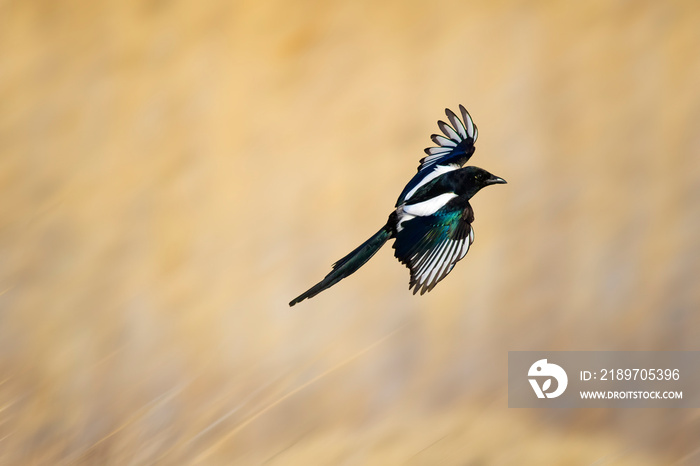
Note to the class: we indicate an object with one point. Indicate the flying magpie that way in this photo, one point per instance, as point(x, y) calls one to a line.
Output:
point(432, 221)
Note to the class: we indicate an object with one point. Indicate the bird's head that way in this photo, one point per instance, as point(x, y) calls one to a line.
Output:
point(476, 178)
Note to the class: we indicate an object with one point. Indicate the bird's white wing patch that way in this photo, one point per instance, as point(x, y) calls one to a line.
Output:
point(430, 206)
point(437, 171)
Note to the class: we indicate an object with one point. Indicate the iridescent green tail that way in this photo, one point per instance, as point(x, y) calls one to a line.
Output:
point(348, 264)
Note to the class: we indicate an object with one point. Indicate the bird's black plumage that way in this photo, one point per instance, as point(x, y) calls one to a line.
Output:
point(432, 221)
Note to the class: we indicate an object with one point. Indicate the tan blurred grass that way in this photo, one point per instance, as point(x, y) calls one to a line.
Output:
point(173, 173)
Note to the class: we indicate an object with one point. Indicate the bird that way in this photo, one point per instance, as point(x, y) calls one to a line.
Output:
point(432, 221)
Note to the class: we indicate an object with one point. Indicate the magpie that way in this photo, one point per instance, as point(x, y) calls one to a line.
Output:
point(432, 222)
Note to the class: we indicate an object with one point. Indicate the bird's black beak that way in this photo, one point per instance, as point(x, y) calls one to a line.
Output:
point(495, 180)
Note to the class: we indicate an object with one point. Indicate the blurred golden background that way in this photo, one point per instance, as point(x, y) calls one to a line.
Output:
point(173, 173)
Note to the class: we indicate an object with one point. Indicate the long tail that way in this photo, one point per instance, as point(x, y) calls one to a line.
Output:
point(349, 264)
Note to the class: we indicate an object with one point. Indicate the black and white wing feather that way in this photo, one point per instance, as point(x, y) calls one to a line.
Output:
point(430, 246)
point(457, 144)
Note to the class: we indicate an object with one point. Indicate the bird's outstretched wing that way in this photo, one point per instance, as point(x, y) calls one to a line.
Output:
point(457, 146)
point(430, 246)
point(452, 151)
